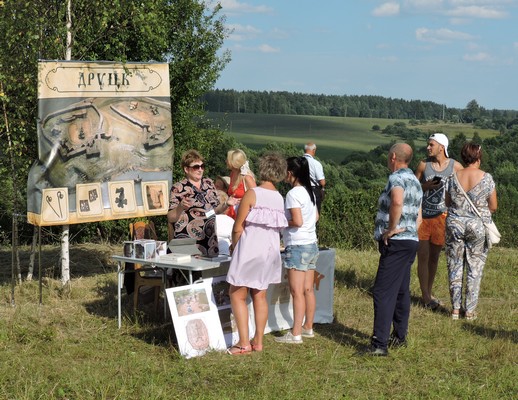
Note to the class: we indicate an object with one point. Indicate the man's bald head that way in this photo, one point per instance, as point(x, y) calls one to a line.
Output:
point(403, 153)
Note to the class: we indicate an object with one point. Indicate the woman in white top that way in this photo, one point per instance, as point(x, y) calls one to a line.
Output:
point(301, 251)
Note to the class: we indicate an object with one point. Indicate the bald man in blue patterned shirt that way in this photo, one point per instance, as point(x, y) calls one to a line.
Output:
point(396, 224)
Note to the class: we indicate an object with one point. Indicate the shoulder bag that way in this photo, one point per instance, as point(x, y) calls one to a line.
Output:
point(492, 233)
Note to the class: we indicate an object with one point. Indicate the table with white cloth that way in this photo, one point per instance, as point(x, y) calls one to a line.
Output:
point(208, 267)
point(280, 303)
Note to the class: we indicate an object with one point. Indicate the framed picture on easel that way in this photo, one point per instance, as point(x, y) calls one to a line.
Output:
point(195, 319)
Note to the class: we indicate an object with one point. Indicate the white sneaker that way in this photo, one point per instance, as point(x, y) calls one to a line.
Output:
point(289, 338)
point(307, 333)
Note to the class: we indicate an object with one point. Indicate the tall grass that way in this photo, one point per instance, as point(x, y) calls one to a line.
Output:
point(70, 348)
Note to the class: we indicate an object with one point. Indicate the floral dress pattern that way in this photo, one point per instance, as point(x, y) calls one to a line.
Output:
point(193, 223)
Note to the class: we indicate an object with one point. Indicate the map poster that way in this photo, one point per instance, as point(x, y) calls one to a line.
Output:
point(105, 142)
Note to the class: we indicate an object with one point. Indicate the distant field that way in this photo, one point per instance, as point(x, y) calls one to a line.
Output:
point(335, 136)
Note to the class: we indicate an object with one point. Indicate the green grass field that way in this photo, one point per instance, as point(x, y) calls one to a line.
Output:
point(70, 347)
point(335, 136)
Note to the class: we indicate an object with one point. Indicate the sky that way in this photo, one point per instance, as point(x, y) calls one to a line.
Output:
point(446, 51)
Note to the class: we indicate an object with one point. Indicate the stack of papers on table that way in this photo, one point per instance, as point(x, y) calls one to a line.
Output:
point(176, 258)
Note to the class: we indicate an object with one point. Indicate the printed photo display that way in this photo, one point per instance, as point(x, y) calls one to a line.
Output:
point(54, 207)
point(101, 123)
point(89, 200)
point(195, 319)
point(122, 197)
point(155, 196)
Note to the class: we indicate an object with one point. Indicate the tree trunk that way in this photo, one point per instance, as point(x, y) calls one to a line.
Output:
point(15, 257)
point(65, 235)
point(65, 259)
point(16, 250)
point(33, 253)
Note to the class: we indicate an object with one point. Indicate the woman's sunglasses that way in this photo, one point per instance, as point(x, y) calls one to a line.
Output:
point(197, 167)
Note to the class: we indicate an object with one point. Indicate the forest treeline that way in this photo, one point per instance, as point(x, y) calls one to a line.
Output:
point(292, 103)
point(353, 188)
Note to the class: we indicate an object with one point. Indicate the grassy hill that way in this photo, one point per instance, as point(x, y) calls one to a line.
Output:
point(335, 136)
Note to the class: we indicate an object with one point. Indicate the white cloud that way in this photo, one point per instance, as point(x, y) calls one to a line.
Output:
point(423, 5)
point(242, 32)
point(266, 48)
point(458, 21)
point(482, 2)
point(442, 35)
point(235, 6)
point(515, 44)
point(263, 48)
point(386, 10)
point(459, 9)
point(476, 12)
point(477, 57)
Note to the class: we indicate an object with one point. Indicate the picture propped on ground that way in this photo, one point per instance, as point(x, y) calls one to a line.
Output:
point(195, 319)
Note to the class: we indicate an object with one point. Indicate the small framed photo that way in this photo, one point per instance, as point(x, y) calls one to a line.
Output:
point(122, 197)
point(54, 205)
point(89, 200)
point(155, 197)
point(195, 319)
point(220, 288)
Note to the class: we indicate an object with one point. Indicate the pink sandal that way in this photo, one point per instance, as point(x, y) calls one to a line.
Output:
point(256, 347)
point(239, 350)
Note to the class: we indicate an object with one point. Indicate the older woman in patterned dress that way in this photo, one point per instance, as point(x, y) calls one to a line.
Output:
point(191, 206)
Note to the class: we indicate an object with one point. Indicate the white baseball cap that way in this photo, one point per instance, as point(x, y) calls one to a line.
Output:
point(440, 138)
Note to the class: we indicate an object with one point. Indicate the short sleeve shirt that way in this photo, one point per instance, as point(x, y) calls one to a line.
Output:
point(316, 171)
point(412, 197)
point(298, 197)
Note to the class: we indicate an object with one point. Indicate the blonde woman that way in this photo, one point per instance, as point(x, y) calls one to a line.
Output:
point(241, 179)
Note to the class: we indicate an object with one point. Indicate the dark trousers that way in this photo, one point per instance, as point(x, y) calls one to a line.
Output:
point(317, 191)
point(391, 290)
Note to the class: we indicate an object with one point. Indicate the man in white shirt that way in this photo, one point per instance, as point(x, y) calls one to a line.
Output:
point(316, 173)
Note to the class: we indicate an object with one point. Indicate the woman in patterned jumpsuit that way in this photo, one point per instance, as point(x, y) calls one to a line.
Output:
point(466, 244)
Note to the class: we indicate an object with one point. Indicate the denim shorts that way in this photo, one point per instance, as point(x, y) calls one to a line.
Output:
point(301, 257)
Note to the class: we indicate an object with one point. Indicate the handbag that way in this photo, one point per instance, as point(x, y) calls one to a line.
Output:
point(492, 233)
